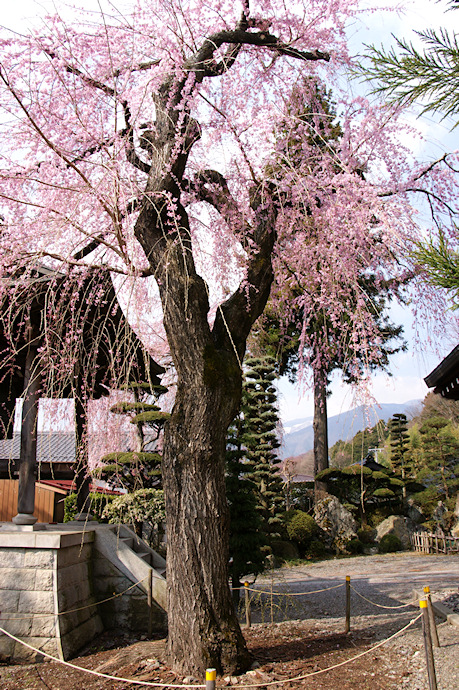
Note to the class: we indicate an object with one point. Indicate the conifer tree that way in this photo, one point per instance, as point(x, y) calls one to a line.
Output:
point(246, 536)
point(138, 469)
point(399, 444)
point(260, 441)
point(441, 452)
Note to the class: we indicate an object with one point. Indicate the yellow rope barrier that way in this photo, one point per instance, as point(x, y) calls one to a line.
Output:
point(251, 685)
point(330, 668)
point(293, 594)
point(98, 673)
point(381, 606)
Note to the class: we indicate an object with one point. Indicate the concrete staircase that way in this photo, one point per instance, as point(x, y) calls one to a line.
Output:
point(134, 559)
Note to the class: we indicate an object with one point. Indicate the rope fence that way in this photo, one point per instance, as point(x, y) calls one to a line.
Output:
point(211, 673)
point(426, 616)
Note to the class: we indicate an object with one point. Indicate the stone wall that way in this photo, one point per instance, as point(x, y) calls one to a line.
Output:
point(59, 568)
point(42, 573)
point(129, 611)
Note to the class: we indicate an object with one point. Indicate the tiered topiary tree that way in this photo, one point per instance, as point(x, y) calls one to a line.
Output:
point(138, 469)
point(246, 536)
point(260, 440)
point(399, 445)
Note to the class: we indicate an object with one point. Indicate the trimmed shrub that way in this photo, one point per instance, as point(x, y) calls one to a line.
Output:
point(315, 549)
point(354, 546)
point(285, 550)
point(390, 543)
point(97, 505)
point(302, 528)
point(366, 534)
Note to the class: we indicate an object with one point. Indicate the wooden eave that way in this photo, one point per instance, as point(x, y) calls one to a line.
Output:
point(444, 379)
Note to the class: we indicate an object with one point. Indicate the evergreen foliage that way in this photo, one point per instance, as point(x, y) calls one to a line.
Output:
point(246, 537)
point(137, 469)
point(441, 457)
point(399, 444)
point(260, 441)
point(363, 489)
point(344, 453)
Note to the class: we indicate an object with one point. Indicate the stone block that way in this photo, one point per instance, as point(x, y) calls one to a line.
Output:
point(45, 644)
point(6, 648)
point(68, 623)
point(103, 568)
point(36, 602)
point(9, 600)
point(40, 558)
point(77, 638)
point(44, 627)
point(43, 579)
point(12, 558)
point(17, 578)
point(71, 576)
point(19, 626)
point(73, 555)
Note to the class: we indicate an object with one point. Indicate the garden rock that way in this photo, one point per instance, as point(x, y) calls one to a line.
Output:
point(337, 524)
point(402, 527)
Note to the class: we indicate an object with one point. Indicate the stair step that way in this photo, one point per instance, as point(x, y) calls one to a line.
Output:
point(145, 556)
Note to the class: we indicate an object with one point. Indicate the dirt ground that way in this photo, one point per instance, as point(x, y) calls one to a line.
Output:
point(282, 651)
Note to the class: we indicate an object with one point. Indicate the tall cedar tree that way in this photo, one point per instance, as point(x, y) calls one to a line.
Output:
point(259, 438)
point(329, 339)
point(110, 135)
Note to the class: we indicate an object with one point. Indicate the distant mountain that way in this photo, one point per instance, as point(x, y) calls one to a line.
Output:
point(299, 436)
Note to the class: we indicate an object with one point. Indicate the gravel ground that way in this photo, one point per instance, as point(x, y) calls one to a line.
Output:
point(386, 580)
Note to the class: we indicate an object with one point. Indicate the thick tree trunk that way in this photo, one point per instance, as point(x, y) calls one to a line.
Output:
point(320, 427)
point(203, 627)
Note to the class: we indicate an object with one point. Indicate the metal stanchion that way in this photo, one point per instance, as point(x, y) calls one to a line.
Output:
point(347, 626)
point(248, 618)
point(433, 625)
point(211, 677)
point(428, 645)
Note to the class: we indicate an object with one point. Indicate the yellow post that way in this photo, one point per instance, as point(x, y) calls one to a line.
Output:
point(347, 626)
point(433, 625)
point(248, 617)
point(211, 677)
point(428, 645)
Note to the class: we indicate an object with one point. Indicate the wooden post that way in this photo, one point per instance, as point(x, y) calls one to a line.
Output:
point(433, 625)
point(347, 626)
point(248, 618)
point(211, 677)
point(28, 453)
point(150, 603)
point(428, 645)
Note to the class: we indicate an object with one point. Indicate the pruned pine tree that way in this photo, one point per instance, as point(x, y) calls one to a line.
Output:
point(261, 443)
point(399, 447)
point(441, 453)
point(138, 469)
point(246, 536)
